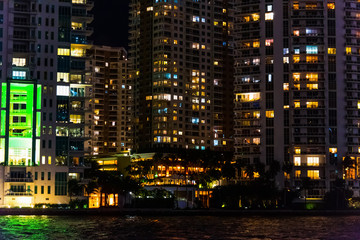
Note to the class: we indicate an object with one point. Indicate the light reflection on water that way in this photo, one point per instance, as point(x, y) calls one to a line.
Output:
point(178, 228)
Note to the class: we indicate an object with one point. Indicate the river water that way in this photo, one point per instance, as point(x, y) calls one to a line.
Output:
point(178, 228)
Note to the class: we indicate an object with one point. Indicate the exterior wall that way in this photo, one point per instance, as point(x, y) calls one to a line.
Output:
point(183, 80)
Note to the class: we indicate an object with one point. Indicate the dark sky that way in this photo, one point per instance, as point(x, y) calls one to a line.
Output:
point(111, 22)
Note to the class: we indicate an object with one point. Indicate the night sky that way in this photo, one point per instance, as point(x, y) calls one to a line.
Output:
point(111, 22)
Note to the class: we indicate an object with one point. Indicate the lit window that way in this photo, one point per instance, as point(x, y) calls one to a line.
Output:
point(331, 6)
point(312, 104)
point(296, 32)
point(255, 17)
point(312, 77)
point(311, 31)
point(331, 50)
point(311, 59)
point(269, 7)
point(348, 50)
point(63, 52)
point(313, 161)
point(19, 62)
point(297, 161)
point(76, 26)
point(269, 16)
point(312, 86)
point(256, 141)
point(195, 45)
point(296, 104)
point(311, 49)
point(333, 150)
point(62, 90)
point(269, 42)
point(286, 59)
point(313, 174)
point(149, 9)
point(311, 6)
point(195, 120)
point(19, 75)
point(78, 52)
point(62, 77)
point(296, 6)
point(297, 173)
point(296, 58)
point(270, 114)
point(286, 86)
point(248, 97)
point(256, 44)
point(256, 114)
point(296, 77)
point(297, 150)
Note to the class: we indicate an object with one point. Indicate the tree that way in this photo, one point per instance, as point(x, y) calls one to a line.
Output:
point(287, 167)
point(306, 185)
point(228, 171)
point(74, 188)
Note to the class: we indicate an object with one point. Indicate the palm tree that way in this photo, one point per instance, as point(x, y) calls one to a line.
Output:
point(306, 185)
point(74, 188)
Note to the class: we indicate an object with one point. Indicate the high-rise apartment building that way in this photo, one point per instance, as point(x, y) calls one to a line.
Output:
point(111, 101)
point(296, 87)
point(44, 87)
point(183, 78)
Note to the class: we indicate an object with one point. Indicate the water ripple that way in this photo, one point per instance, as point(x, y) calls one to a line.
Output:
point(179, 228)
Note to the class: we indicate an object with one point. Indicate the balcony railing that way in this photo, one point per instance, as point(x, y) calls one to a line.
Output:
point(11, 193)
point(27, 179)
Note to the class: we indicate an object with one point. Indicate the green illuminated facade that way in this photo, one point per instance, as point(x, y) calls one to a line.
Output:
point(20, 123)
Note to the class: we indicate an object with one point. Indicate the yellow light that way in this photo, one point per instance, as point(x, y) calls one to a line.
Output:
point(269, 16)
point(333, 150)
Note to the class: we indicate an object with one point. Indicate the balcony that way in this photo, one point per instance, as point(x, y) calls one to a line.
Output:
point(19, 177)
point(11, 193)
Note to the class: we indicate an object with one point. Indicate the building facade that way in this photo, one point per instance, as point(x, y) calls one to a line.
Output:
point(296, 89)
point(183, 80)
point(111, 126)
point(43, 80)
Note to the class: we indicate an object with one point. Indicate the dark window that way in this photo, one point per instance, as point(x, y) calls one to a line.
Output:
point(61, 184)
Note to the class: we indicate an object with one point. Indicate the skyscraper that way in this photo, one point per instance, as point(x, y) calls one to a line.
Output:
point(111, 102)
point(43, 79)
point(183, 78)
point(296, 88)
